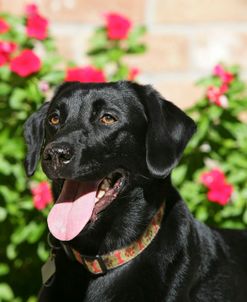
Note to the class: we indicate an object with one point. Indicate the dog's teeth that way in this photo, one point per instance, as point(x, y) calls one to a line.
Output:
point(105, 185)
point(101, 194)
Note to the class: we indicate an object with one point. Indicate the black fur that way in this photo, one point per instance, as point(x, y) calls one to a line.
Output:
point(187, 261)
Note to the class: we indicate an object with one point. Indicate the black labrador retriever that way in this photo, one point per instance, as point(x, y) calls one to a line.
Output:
point(119, 230)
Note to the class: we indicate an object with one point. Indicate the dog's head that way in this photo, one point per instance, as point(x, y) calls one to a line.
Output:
point(95, 138)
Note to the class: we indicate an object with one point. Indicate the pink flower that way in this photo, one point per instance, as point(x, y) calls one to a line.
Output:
point(37, 27)
point(31, 9)
point(219, 190)
point(4, 26)
point(209, 179)
point(221, 193)
point(42, 195)
point(84, 74)
point(26, 63)
point(117, 26)
point(44, 86)
point(6, 49)
point(133, 73)
point(3, 59)
point(216, 95)
point(225, 76)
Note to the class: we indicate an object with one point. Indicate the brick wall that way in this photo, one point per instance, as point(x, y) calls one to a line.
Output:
point(185, 37)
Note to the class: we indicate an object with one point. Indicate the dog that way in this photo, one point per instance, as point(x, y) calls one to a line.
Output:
point(119, 230)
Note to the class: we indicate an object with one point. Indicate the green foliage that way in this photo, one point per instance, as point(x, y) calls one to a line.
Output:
point(111, 54)
point(23, 228)
point(220, 141)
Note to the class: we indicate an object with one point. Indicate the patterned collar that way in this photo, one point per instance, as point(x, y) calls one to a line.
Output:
point(100, 264)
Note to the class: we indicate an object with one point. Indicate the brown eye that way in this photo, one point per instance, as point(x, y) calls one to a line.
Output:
point(108, 119)
point(54, 120)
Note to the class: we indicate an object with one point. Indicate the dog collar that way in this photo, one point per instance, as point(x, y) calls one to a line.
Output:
point(101, 264)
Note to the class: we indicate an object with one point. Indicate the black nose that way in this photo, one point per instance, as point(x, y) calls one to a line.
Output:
point(58, 154)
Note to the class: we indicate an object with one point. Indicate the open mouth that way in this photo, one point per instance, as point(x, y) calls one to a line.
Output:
point(80, 203)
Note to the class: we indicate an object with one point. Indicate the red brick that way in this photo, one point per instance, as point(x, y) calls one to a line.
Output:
point(71, 47)
point(181, 11)
point(165, 53)
point(214, 46)
point(17, 8)
point(81, 10)
point(181, 92)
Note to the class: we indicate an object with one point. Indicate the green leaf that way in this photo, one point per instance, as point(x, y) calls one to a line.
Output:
point(230, 224)
point(4, 89)
point(135, 34)
point(42, 251)
point(210, 81)
point(8, 194)
point(32, 299)
point(33, 92)
point(6, 293)
point(5, 73)
point(3, 214)
point(54, 77)
point(179, 173)
point(214, 112)
point(236, 87)
point(98, 41)
point(237, 160)
point(121, 73)
point(5, 166)
point(238, 177)
point(201, 213)
point(17, 98)
point(202, 131)
point(245, 216)
point(101, 60)
point(30, 233)
point(11, 251)
point(233, 69)
point(4, 269)
point(137, 49)
point(115, 54)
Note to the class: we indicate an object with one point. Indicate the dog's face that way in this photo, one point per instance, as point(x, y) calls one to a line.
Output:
point(91, 132)
point(97, 138)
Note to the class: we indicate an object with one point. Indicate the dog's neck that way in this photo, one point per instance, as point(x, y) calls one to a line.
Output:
point(101, 264)
point(110, 232)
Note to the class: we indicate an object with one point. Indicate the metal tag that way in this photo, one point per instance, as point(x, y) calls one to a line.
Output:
point(48, 270)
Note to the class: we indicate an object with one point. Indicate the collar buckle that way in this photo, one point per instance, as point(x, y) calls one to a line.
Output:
point(95, 264)
point(101, 264)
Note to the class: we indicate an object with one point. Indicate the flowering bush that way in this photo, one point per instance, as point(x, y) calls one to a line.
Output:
point(113, 43)
point(213, 173)
point(28, 73)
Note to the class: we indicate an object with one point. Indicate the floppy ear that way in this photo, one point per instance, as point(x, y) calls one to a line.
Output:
point(34, 135)
point(169, 130)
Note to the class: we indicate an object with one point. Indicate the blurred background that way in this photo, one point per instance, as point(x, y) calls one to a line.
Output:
point(185, 38)
point(193, 52)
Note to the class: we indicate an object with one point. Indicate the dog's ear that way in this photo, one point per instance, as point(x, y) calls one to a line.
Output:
point(169, 130)
point(34, 135)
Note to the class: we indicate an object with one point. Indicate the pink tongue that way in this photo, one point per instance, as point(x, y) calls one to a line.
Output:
point(72, 210)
